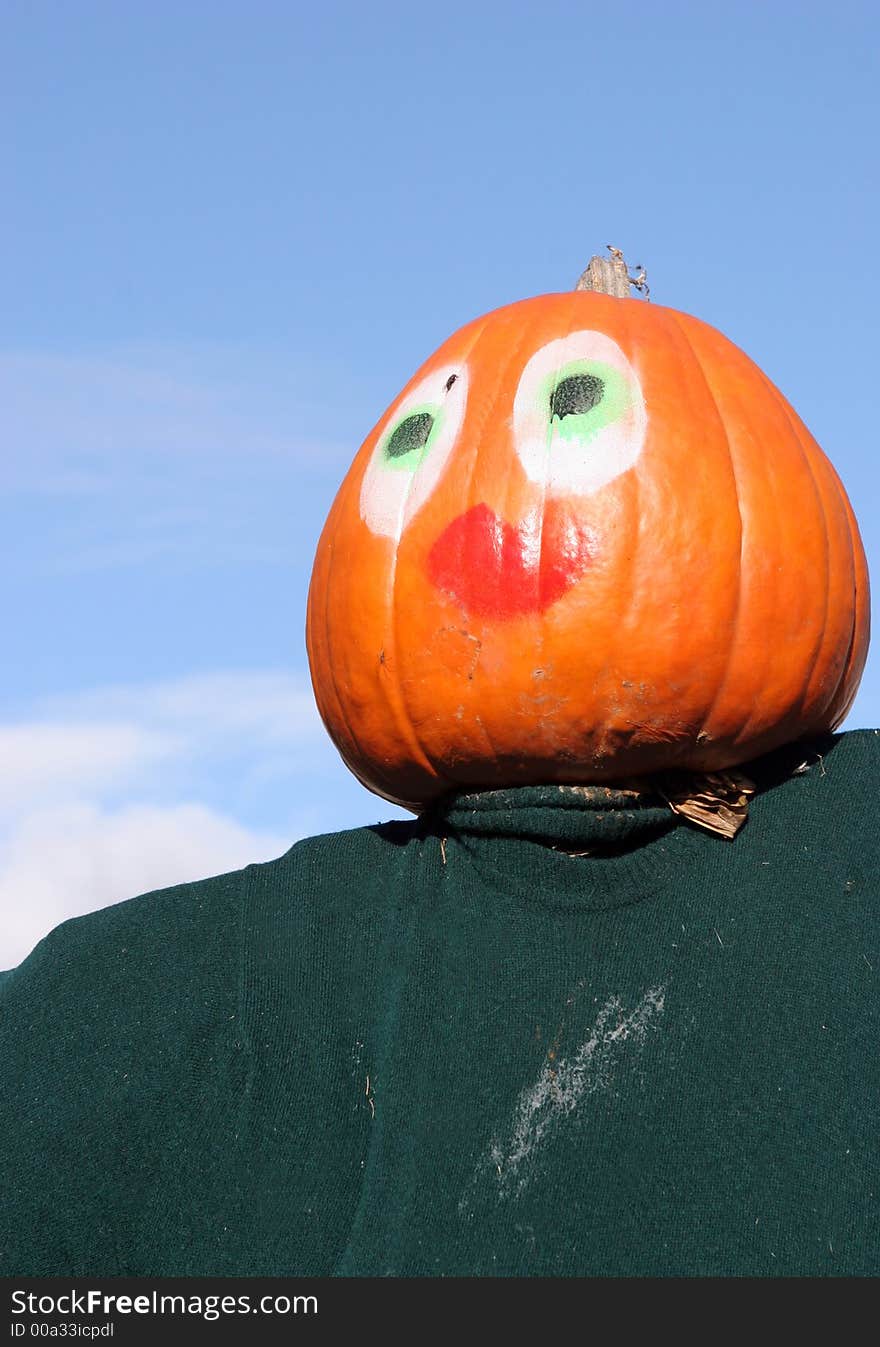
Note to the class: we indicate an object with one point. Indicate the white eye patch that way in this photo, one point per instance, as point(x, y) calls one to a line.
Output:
point(579, 417)
point(412, 450)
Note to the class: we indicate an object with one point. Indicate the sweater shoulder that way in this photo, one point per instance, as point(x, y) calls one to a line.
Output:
point(842, 766)
point(822, 794)
point(172, 956)
point(155, 939)
point(852, 756)
point(329, 862)
point(167, 943)
point(116, 1020)
point(329, 889)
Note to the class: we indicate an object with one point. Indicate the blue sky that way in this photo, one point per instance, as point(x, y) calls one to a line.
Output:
point(230, 233)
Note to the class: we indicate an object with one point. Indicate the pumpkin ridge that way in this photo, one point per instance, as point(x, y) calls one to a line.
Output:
point(851, 672)
point(514, 358)
point(472, 466)
point(721, 686)
point(427, 758)
point(332, 663)
point(398, 704)
point(858, 650)
point(327, 638)
point(542, 629)
point(312, 640)
point(842, 680)
point(630, 487)
point(819, 492)
point(488, 409)
point(575, 304)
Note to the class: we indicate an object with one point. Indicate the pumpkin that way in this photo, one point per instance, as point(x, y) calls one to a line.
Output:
point(589, 541)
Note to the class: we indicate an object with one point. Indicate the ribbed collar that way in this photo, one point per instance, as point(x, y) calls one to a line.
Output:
point(583, 847)
point(573, 818)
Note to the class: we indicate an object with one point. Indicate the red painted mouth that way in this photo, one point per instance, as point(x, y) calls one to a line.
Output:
point(497, 570)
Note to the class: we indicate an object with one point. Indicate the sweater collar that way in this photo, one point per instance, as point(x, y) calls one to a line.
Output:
point(565, 847)
point(576, 819)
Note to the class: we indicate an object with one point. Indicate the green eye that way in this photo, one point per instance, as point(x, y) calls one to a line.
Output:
point(583, 399)
point(579, 416)
point(576, 394)
point(412, 433)
point(411, 439)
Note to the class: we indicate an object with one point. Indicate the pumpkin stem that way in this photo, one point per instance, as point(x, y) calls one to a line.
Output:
point(610, 276)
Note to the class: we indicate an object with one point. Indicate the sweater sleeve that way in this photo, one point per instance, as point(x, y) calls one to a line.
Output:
point(115, 1036)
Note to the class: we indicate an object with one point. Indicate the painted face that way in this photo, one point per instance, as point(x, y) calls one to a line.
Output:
point(575, 421)
point(573, 549)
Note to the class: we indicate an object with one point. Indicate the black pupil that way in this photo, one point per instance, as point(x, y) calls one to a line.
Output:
point(412, 433)
point(577, 394)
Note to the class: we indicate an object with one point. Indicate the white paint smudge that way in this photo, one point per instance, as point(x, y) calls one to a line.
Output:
point(563, 1084)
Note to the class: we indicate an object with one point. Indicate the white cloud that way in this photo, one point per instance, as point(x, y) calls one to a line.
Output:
point(64, 861)
point(208, 709)
point(80, 822)
point(47, 760)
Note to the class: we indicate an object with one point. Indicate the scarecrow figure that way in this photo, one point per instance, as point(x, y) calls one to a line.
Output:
point(591, 602)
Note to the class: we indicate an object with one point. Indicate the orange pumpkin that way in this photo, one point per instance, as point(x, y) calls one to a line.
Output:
point(589, 540)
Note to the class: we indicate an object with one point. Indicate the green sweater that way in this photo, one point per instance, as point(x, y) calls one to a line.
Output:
point(453, 1047)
